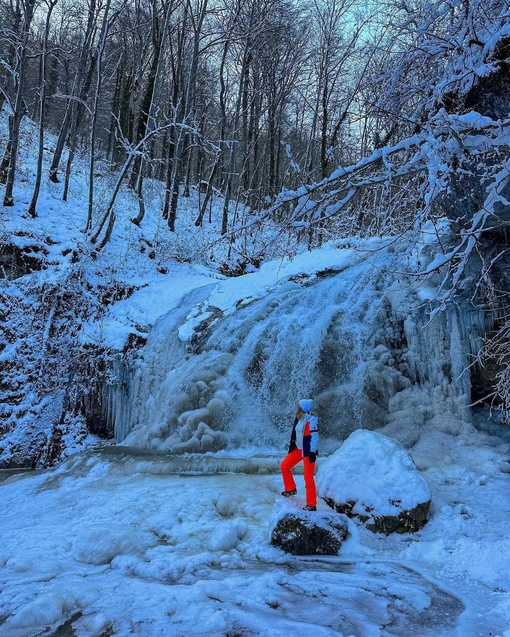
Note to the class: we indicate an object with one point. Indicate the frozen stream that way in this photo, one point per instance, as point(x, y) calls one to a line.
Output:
point(121, 542)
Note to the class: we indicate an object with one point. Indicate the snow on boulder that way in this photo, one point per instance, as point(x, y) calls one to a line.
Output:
point(304, 533)
point(373, 478)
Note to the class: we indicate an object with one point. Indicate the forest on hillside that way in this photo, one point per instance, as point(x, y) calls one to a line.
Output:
point(318, 119)
point(255, 97)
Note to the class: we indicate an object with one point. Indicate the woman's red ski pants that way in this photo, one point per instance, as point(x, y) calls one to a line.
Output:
point(291, 460)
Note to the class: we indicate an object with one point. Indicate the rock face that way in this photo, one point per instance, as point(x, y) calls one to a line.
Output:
point(407, 521)
point(373, 478)
point(302, 533)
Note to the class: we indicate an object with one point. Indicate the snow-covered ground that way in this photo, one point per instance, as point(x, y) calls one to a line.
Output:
point(119, 542)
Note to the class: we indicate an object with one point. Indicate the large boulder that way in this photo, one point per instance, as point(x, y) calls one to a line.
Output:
point(374, 479)
point(309, 533)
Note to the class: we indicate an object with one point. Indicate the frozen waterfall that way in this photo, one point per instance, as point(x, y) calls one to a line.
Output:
point(225, 369)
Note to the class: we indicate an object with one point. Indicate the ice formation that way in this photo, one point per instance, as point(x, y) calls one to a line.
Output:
point(357, 338)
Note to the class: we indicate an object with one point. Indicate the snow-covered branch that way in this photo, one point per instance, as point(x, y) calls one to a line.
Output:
point(425, 161)
point(398, 189)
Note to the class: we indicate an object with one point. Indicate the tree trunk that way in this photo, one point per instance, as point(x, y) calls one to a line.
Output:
point(187, 108)
point(324, 132)
point(99, 61)
point(272, 141)
point(6, 159)
point(32, 210)
point(218, 159)
point(208, 193)
point(169, 171)
point(76, 121)
point(144, 116)
point(237, 114)
point(70, 157)
point(70, 114)
point(245, 131)
point(147, 122)
point(255, 181)
point(19, 106)
point(5, 76)
point(151, 92)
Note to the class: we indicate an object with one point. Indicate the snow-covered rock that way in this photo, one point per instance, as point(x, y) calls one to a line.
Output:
point(373, 478)
point(305, 533)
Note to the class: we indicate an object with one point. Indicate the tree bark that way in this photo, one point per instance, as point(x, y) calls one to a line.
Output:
point(147, 121)
point(70, 114)
point(19, 106)
point(187, 107)
point(32, 210)
point(237, 114)
point(100, 52)
point(11, 59)
point(223, 119)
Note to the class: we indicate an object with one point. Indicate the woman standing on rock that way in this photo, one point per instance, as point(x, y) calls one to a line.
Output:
point(305, 428)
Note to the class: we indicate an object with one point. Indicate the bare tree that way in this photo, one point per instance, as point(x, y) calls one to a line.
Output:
point(12, 24)
point(19, 106)
point(109, 216)
point(69, 123)
point(106, 25)
point(227, 33)
point(186, 103)
point(50, 5)
point(250, 30)
point(282, 58)
point(10, 17)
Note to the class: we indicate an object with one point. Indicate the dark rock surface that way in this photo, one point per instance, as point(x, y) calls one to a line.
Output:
point(408, 521)
point(310, 533)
